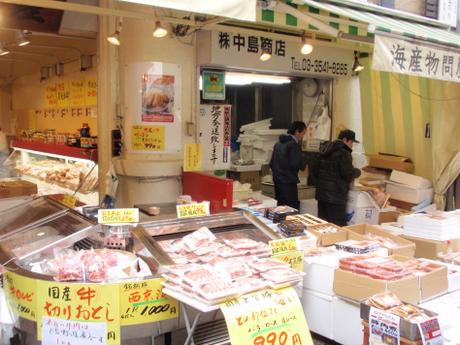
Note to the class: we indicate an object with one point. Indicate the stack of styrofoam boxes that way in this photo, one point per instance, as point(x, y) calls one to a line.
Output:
point(326, 313)
point(410, 188)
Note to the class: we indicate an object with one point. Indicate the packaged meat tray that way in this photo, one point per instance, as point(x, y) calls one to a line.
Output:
point(216, 290)
point(242, 243)
point(292, 227)
point(282, 275)
point(263, 265)
point(199, 238)
point(250, 284)
point(235, 269)
point(279, 213)
point(358, 247)
point(201, 275)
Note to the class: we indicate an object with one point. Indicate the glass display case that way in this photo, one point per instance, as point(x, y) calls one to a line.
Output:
point(56, 169)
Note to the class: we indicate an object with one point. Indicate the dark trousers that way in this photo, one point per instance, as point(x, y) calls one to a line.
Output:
point(333, 213)
point(286, 195)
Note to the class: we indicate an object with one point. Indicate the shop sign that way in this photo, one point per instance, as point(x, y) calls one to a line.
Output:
point(242, 50)
point(213, 85)
point(383, 328)
point(20, 293)
point(193, 157)
point(200, 209)
point(148, 138)
point(69, 200)
point(63, 332)
point(267, 317)
point(214, 131)
point(400, 56)
point(81, 303)
point(447, 12)
point(431, 332)
point(118, 216)
point(144, 302)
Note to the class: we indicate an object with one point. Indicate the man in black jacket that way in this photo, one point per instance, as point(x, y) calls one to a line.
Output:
point(334, 173)
point(286, 162)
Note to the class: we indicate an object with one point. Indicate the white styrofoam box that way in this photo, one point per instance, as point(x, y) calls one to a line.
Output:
point(453, 275)
point(309, 206)
point(361, 208)
point(346, 322)
point(318, 312)
point(410, 180)
point(407, 194)
point(439, 227)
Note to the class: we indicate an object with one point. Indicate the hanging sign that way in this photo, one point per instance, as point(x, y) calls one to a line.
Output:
point(50, 96)
point(91, 91)
point(200, 209)
point(383, 328)
point(145, 302)
point(214, 128)
point(94, 303)
point(148, 138)
point(118, 216)
point(267, 317)
point(21, 295)
point(431, 332)
point(243, 50)
point(193, 157)
point(213, 85)
point(63, 332)
point(400, 56)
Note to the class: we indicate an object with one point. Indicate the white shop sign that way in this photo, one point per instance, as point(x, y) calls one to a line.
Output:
point(400, 56)
point(242, 50)
point(447, 12)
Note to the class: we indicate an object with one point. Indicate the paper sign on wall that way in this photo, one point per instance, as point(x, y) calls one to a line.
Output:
point(383, 328)
point(63, 94)
point(63, 332)
point(214, 85)
point(50, 95)
point(20, 293)
point(267, 317)
point(193, 157)
point(148, 138)
point(91, 91)
point(145, 302)
point(77, 93)
point(118, 216)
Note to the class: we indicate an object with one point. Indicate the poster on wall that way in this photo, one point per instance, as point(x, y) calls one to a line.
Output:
point(213, 85)
point(214, 131)
point(157, 98)
point(153, 101)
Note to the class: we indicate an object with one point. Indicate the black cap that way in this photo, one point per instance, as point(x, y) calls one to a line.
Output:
point(349, 134)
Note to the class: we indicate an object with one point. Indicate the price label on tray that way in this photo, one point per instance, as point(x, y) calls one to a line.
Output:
point(284, 246)
point(294, 259)
point(118, 216)
point(383, 328)
point(69, 200)
point(267, 317)
point(200, 209)
point(431, 332)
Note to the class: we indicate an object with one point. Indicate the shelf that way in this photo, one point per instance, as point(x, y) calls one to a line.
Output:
point(60, 150)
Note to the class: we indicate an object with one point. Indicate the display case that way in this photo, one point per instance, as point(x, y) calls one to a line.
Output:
point(56, 169)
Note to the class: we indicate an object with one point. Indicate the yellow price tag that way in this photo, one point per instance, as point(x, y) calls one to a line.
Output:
point(69, 200)
point(145, 302)
point(267, 317)
point(192, 157)
point(21, 294)
point(284, 245)
point(294, 259)
point(193, 210)
point(118, 216)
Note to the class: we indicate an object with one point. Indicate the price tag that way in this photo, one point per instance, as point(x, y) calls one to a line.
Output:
point(192, 157)
point(284, 245)
point(383, 328)
point(193, 210)
point(58, 331)
point(69, 200)
point(21, 295)
point(294, 259)
point(267, 317)
point(118, 216)
point(431, 332)
point(145, 302)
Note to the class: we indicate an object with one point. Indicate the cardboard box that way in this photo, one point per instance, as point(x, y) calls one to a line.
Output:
point(410, 180)
point(391, 162)
point(319, 312)
point(407, 194)
point(389, 216)
point(431, 249)
point(251, 177)
point(406, 206)
point(329, 239)
point(405, 248)
point(10, 189)
point(359, 287)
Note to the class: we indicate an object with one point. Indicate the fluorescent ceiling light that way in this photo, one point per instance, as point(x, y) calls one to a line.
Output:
point(21, 39)
point(233, 78)
point(3, 50)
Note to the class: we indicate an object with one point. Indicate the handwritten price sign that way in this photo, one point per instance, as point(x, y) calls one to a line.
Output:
point(284, 246)
point(118, 216)
point(193, 210)
point(144, 302)
point(294, 259)
point(148, 138)
point(69, 200)
point(268, 317)
point(21, 295)
point(64, 332)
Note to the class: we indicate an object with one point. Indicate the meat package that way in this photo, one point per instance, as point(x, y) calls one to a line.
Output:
point(358, 247)
point(279, 213)
point(292, 227)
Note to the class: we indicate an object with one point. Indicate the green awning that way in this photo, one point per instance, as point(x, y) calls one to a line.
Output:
point(383, 23)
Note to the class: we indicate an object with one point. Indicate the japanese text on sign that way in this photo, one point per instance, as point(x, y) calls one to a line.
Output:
point(145, 302)
point(193, 210)
point(118, 215)
point(383, 327)
point(284, 245)
point(192, 157)
point(213, 85)
point(268, 317)
point(63, 94)
point(251, 44)
point(77, 93)
point(63, 332)
point(294, 259)
point(69, 200)
point(21, 295)
point(393, 55)
point(80, 302)
point(216, 113)
point(91, 91)
point(431, 332)
point(148, 138)
point(50, 96)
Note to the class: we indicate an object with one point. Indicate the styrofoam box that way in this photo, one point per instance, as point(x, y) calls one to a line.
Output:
point(318, 309)
point(361, 208)
point(410, 180)
point(346, 322)
point(407, 194)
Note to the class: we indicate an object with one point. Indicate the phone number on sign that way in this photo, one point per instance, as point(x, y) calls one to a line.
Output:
point(319, 66)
